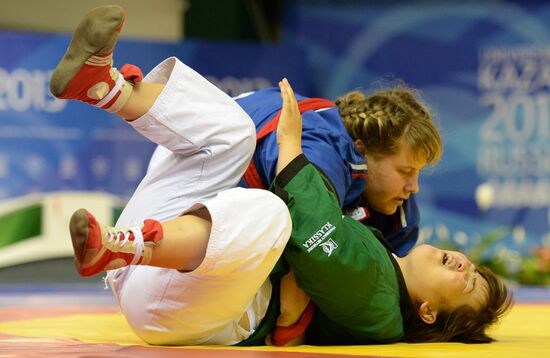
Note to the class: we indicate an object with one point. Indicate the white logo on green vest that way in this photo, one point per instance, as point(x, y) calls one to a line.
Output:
point(319, 237)
point(329, 246)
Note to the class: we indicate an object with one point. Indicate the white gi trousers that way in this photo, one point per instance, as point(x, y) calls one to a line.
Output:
point(210, 142)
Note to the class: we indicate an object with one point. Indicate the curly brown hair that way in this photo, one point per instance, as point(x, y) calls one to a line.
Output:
point(382, 118)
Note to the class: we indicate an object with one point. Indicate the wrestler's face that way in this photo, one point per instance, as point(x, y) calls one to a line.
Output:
point(392, 178)
point(443, 280)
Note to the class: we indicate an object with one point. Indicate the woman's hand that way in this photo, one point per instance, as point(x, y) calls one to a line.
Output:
point(290, 122)
point(293, 301)
point(289, 129)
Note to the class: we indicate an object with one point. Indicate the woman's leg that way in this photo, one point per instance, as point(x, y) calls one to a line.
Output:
point(141, 99)
point(178, 244)
point(208, 305)
point(229, 245)
point(211, 141)
point(185, 241)
point(209, 137)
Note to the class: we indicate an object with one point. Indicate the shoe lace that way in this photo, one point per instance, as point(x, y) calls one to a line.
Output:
point(119, 238)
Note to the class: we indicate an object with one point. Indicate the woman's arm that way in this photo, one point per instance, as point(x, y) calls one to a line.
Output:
point(289, 129)
point(289, 139)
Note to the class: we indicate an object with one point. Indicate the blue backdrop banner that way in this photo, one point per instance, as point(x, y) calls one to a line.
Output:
point(484, 67)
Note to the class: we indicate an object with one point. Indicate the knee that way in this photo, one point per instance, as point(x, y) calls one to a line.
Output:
point(279, 208)
point(278, 220)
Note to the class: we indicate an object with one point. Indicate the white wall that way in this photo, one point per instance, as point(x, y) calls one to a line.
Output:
point(146, 19)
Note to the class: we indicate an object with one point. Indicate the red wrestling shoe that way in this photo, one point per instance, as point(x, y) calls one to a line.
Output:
point(99, 247)
point(85, 72)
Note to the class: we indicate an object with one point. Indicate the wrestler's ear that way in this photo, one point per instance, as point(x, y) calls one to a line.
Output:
point(427, 313)
point(361, 146)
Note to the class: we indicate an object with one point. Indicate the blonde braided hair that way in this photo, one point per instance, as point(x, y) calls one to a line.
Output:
point(382, 118)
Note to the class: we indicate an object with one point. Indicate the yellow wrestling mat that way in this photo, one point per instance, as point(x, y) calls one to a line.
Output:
point(525, 331)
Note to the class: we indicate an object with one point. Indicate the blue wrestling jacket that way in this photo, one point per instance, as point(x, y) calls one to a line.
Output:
point(327, 144)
